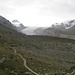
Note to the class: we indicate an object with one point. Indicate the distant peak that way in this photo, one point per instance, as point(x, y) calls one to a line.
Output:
point(15, 20)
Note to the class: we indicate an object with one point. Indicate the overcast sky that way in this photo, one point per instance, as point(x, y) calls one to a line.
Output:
point(38, 12)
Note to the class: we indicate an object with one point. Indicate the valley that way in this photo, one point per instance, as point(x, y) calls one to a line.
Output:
point(41, 55)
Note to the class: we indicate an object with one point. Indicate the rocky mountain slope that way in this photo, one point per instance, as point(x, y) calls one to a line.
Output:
point(6, 23)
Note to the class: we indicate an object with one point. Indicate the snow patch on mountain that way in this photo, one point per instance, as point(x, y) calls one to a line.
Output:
point(64, 25)
point(69, 24)
point(29, 31)
point(16, 23)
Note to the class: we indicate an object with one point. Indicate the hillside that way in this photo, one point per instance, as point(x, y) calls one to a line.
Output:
point(6, 23)
point(45, 55)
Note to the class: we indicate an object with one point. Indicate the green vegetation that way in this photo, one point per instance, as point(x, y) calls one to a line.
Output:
point(44, 54)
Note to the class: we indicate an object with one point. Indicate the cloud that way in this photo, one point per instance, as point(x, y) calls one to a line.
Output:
point(6, 7)
point(63, 9)
point(21, 3)
point(64, 5)
point(44, 6)
point(59, 5)
point(40, 11)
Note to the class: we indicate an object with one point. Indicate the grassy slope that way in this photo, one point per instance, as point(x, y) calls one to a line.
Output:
point(44, 54)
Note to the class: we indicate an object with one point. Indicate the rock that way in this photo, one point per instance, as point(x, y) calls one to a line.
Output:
point(27, 73)
point(2, 60)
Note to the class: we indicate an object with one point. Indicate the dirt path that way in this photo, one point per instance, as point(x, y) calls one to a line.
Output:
point(25, 65)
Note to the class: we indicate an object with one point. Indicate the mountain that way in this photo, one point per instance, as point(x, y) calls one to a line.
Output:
point(52, 32)
point(19, 26)
point(69, 24)
point(71, 31)
point(64, 25)
point(40, 30)
point(27, 30)
point(64, 30)
point(5, 22)
point(33, 30)
point(71, 28)
point(21, 54)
